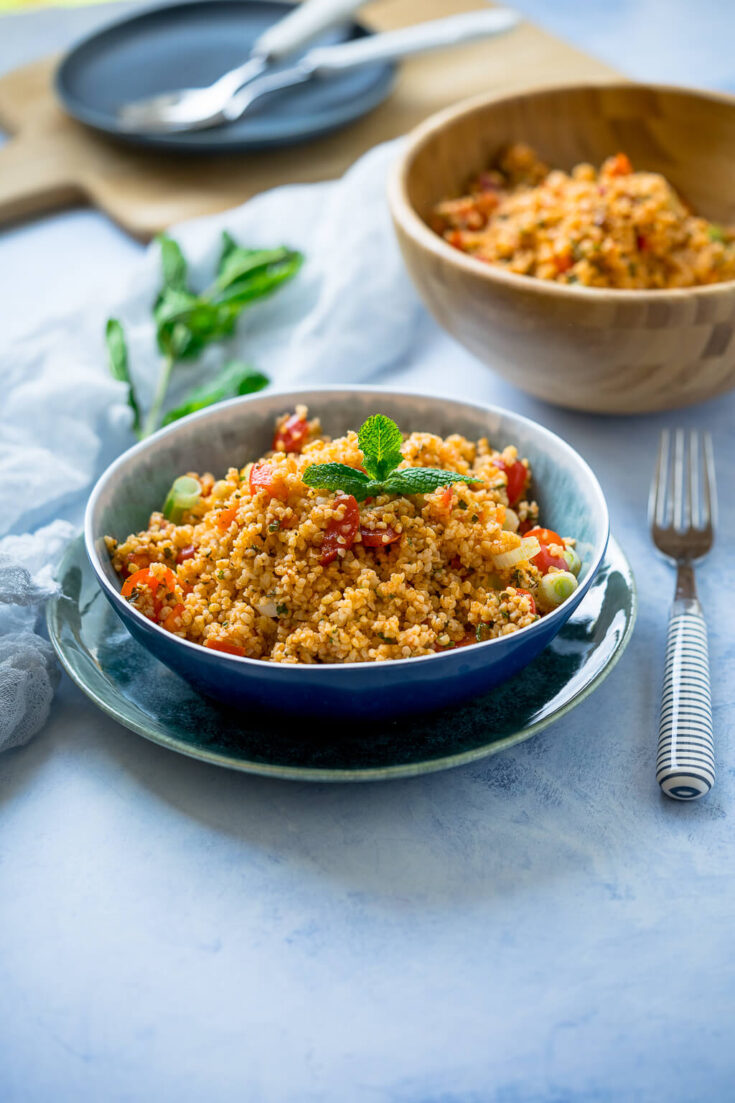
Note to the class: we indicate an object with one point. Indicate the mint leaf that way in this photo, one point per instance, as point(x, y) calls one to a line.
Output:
point(338, 476)
point(173, 263)
point(117, 359)
point(380, 442)
point(186, 323)
point(228, 246)
point(240, 268)
point(233, 379)
point(422, 480)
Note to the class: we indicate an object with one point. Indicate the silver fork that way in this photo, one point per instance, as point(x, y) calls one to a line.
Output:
point(682, 513)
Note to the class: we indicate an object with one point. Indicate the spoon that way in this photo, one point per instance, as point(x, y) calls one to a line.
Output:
point(329, 60)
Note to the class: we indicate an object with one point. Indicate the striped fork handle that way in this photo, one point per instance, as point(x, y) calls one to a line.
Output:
point(685, 767)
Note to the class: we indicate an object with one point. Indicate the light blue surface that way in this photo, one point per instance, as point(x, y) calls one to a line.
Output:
point(539, 928)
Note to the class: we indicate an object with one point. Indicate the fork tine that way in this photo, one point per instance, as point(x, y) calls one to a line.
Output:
point(678, 519)
point(709, 509)
point(659, 486)
point(694, 500)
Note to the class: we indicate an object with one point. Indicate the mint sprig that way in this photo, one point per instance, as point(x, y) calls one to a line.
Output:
point(187, 322)
point(380, 441)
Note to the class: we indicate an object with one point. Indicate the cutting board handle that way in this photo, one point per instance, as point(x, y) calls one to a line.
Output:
point(34, 178)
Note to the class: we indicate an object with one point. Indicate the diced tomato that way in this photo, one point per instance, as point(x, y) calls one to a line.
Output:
point(517, 473)
point(545, 536)
point(224, 645)
point(641, 242)
point(144, 577)
point(185, 553)
point(141, 577)
point(339, 535)
point(530, 597)
point(563, 262)
point(225, 517)
point(446, 499)
point(524, 528)
point(545, 559)
point(172, 623)
point(379, 538)
point(619, 165)
point(138, 560)
point(455, 563)
point(292, 435)
point(265, 476)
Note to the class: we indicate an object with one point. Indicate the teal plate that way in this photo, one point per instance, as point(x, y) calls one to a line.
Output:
point(125, 680)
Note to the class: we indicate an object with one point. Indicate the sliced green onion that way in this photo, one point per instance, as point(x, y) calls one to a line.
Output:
point(525, 550)
point(183, 496)
point(575, 563)
point(556, 587)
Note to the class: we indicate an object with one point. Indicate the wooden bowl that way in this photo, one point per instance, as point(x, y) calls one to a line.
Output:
point(593, 349)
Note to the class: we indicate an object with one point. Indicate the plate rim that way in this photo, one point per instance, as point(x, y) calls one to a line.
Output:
point(191, 142)
point(321, 774)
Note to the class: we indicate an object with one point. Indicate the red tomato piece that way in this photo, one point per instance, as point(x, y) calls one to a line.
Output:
point(517, 473)
point(619, 165)
point(140, 577)
point(225, 517)
point(545, 559)
point(292, 435)
point(546, 536)
point(446, 498)
point(185, 553)
point(379, 538)
point(339, 535)
point(563, 262)
point(265, 476)
point(138, 560)
point(144, 577)
point(530, 597)
point(172, 623)
point(225, 646)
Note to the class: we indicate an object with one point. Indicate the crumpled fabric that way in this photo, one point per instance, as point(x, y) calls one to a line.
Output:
point(350, 313)
point(28, 669)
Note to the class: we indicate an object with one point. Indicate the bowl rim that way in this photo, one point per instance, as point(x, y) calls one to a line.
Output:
point(317, 670)
point(407, 218)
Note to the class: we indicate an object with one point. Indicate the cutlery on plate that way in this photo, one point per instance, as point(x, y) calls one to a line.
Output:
point(682, 513)
point(190, 108)
point(329, 60)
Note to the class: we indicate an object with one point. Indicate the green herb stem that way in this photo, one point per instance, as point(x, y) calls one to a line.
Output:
point(153, 417)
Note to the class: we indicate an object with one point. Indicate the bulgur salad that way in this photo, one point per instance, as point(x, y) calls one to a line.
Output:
point(370, 547)
point(612, 228)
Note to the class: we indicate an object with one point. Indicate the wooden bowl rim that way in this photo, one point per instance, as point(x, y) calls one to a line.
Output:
point(407, 218)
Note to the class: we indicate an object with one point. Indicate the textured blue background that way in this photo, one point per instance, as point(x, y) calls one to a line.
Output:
point(539, 927)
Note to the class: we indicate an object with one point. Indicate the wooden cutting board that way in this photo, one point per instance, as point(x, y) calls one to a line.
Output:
point(52, 161)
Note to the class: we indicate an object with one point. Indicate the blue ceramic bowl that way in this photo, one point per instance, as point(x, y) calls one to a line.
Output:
point(235, 432)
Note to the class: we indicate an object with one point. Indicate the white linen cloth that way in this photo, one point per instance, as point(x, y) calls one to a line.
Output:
point(349, 313)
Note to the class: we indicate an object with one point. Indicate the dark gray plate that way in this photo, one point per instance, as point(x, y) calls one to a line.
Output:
point(190, 45)
point(136, 690)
